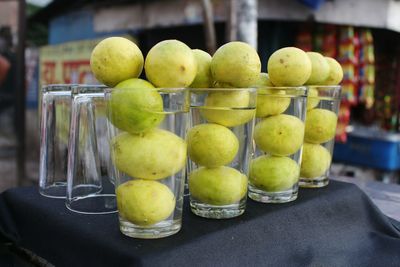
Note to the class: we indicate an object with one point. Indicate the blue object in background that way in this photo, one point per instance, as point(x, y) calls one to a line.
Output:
point(74, 26)
point(32, 94)
point(371, 150)
point(314, 4)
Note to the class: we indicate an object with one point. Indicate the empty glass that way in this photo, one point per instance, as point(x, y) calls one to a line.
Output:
point(147, 129)
point(89, 187)
point(54, 133)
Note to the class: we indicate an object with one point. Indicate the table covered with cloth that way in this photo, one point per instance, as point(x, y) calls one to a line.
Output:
point(333, 226)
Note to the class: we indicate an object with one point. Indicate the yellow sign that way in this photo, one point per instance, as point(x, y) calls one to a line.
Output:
point(68, 63)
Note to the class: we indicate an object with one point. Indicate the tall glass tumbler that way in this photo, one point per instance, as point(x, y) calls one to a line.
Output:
point(321, 120)
point(278, 138)
point(147, 129)
point(220, 148)
point(89, 184)
point(54, 133)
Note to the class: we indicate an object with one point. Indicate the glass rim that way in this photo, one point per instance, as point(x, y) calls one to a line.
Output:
point(88, 85)
point(299, 88)
point(93, 89)
point(157, 89)
point(249, 89)
point(297, 91)
point(327, 87)
point(329, 92)
point(57, 87)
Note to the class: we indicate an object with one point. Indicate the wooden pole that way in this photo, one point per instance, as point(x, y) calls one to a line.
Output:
point(231, 21)
point(209, 29)
point(20, 93)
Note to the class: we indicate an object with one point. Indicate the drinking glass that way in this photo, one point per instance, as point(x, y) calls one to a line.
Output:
point(89, 187)
point(278, 139)
point(220, 148)
point(54, 133)
point(321, 120)
point(147, 129)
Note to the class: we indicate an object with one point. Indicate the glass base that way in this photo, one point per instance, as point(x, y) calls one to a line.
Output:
point(94, 204)
point(159, 230)
point(314, 182)
point(217, 212)
point(186, 190)
point(56, 190)
point(272, 197)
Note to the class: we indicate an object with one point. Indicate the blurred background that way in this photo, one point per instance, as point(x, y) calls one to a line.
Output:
point(47, 42)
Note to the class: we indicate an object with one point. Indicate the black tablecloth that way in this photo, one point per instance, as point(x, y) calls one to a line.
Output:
point(333, 226)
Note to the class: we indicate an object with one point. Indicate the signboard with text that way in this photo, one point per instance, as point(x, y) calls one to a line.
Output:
point(67, 63)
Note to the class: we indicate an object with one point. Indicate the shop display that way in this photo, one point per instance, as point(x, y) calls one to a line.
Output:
point(366, 69)
point(354, 49)
point(242, 136)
